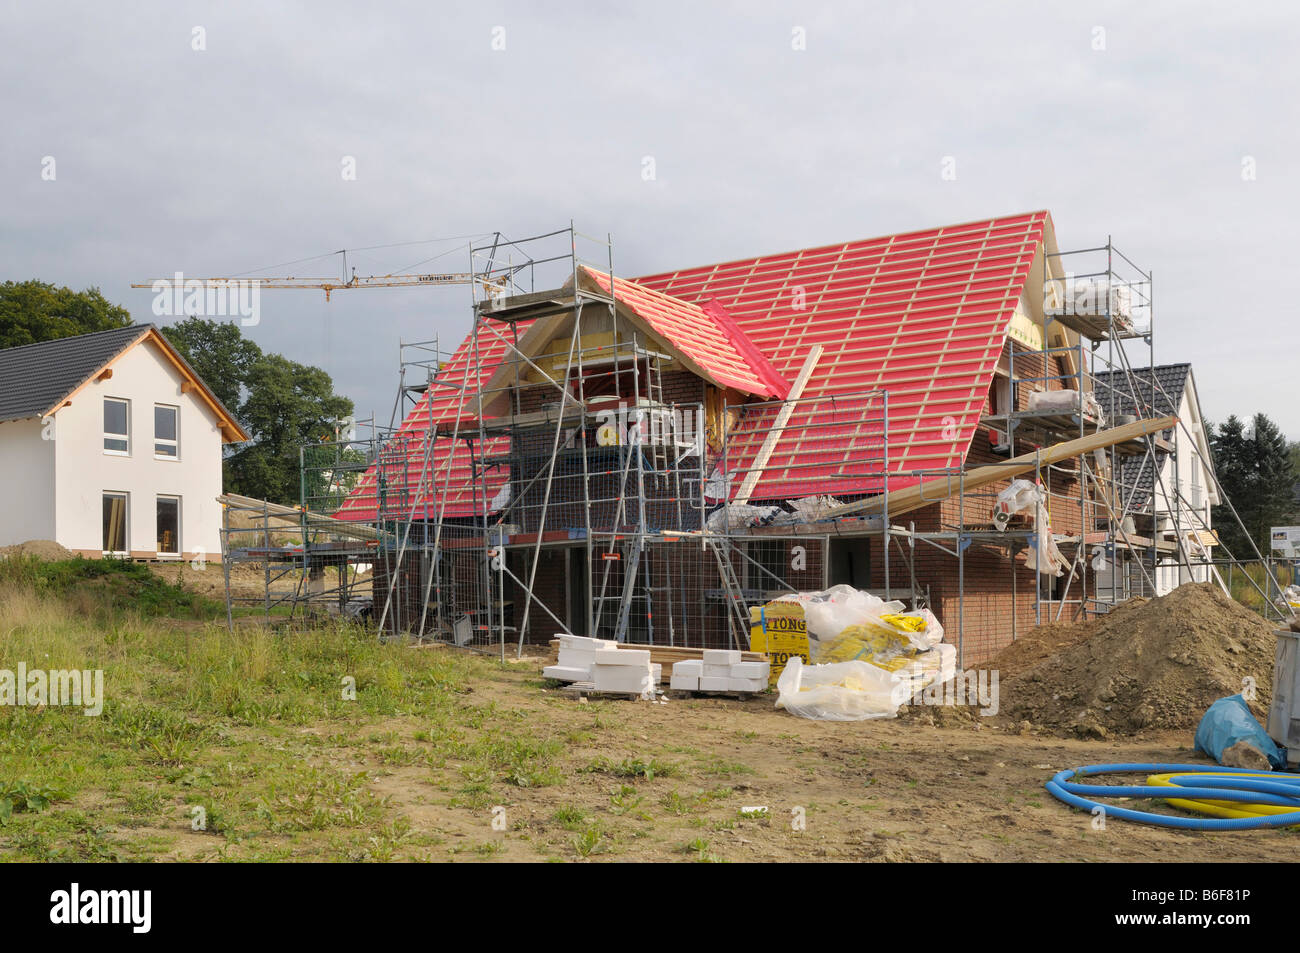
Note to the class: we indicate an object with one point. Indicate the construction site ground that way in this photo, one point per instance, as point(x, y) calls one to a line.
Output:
point(613, 780)
point(320, 743)
point(887, 790)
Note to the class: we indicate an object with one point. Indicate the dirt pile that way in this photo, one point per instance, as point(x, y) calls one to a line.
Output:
point(1149, 664)
point(46, 549)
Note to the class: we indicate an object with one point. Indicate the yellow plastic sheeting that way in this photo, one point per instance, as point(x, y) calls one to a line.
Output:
point(883, 643)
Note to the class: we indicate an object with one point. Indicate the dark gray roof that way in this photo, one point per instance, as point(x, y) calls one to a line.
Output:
point(1132, 394)
point(35, 377)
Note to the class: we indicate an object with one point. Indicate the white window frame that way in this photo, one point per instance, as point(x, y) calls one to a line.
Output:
point(119, 436)
point(126, 521)
point(175, 498)
point(176, 443)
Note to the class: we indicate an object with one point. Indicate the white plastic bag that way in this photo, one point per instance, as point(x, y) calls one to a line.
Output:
point(1291, 599)
point(843, 691)
point(1020, 497)
point(1043, 554)
point(1065, 402)
point(738, 516)
point(831, 611)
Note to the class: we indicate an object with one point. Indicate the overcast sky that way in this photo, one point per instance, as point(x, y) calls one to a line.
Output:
point(1171, 127)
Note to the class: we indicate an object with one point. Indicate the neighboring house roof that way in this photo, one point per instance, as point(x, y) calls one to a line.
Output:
point(1142, 394)
point(36, 380)
point(1134, 394)
point(923, 315)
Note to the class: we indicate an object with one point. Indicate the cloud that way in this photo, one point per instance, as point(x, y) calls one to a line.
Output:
point(228, 158)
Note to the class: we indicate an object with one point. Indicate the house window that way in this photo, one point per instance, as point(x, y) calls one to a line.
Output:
point(115, 540)
point(169, 525)
point(165, 431)
point(117, 426)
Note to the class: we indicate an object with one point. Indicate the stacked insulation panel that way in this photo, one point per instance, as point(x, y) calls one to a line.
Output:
point(720, 670)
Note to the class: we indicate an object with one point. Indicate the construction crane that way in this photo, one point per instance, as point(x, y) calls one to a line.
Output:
point(329, 285)
point(498, 279)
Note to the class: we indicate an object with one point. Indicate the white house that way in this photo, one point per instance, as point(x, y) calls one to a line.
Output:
point(1181, 482)
point(110, 443)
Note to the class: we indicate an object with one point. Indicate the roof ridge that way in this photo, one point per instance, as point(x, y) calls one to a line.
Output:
point(1045, 213)
point(77, 337)
point(764, 368)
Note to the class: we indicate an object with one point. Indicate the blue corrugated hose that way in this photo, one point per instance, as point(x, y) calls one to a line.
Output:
point(1283, 790)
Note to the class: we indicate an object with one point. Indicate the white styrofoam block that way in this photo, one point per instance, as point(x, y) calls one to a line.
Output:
point(618, 678)
point(657, 672)
point(572, 658)
point(692, 667)
point(751, 670)
point(562, 673)
point(708, 684)
point(746, 684)
point(685, 683)
point(721, 656)
point(586, 644)
point(623, 657)
point(715, 671)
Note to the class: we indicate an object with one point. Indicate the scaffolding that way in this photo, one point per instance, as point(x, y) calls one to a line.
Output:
point(564, 472)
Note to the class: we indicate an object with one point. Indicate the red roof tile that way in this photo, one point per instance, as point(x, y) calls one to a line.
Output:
point(705, 335)
point(921, 315)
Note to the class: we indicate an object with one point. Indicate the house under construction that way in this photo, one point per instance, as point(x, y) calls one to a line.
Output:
point(646, 459)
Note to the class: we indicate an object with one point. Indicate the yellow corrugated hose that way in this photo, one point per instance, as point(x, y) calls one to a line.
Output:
point(1219, 808)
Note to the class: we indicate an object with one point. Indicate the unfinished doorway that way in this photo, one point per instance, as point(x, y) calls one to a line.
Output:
point(851, 563)
point(577, 569)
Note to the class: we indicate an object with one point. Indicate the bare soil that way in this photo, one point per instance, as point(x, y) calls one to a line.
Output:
point(884, 790)
point(1148, 665)
point(246, 579)
point(46, 549)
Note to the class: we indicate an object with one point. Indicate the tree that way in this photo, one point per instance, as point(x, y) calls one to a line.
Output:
point(1255, 468)
point(288, 405)
point(219, 353)
point(284, 405)
point(35, 311)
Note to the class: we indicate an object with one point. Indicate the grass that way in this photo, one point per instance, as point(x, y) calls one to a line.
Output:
point(245, 746)
point(195, 716)
point(1244, 580)
point(634, 768)
point(589, 842)
point(103, 587)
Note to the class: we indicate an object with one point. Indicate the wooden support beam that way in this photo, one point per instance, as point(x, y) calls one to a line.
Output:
point(774, 435)
point(932, 491)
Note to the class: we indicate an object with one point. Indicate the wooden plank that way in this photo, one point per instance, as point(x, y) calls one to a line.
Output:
point(280, 513)
point(774, 435)
point(942, 488)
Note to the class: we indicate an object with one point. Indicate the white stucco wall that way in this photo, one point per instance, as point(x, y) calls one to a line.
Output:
point(26, 483)
point(83, 472)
